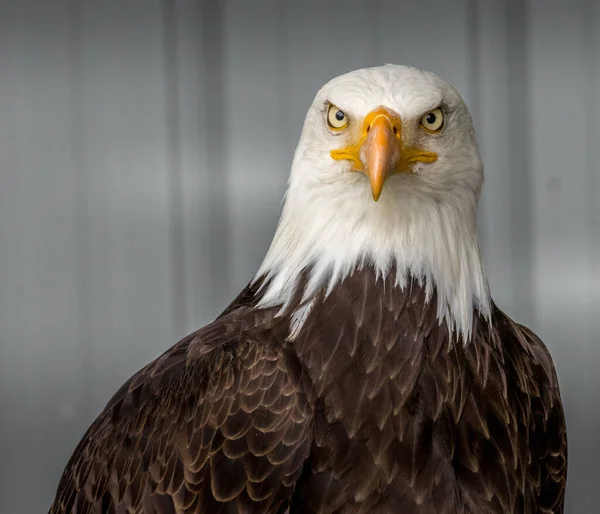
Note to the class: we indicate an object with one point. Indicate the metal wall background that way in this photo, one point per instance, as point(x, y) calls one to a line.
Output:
point(144, 152)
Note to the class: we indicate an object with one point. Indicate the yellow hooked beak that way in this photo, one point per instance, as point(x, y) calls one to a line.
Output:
point(380, 151)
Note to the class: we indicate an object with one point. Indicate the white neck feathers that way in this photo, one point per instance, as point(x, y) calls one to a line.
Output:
point(333, 229)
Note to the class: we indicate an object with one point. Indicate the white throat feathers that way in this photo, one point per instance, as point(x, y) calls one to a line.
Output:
point(424, 224)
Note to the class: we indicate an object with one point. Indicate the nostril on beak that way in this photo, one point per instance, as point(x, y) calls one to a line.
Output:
point(368, 129)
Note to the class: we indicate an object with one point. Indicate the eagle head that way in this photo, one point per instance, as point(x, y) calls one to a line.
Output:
point(387, 173)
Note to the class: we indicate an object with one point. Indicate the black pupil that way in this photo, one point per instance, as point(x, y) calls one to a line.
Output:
point(431, 118)
point(339, 115)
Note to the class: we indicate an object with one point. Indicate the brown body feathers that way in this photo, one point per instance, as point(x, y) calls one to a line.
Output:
point(373, 408)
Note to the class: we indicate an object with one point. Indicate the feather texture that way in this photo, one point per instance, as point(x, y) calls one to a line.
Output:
point(372, 409)
point(222, 422)
point(407, 421)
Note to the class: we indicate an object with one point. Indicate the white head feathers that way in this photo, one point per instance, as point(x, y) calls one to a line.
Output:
point(424, 222)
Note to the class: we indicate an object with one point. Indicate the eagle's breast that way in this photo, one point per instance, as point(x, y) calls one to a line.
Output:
point(406, 414)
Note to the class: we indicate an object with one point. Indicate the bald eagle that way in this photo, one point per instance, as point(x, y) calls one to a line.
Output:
point(365, 368)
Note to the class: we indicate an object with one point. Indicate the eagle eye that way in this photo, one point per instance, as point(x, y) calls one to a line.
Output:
point(336, 118)
point(433, 120)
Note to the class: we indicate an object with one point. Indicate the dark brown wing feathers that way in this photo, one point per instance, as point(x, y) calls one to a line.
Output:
point(220, 421)
point(372, 409)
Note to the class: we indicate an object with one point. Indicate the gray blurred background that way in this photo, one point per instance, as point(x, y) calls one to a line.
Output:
point(144, 152)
